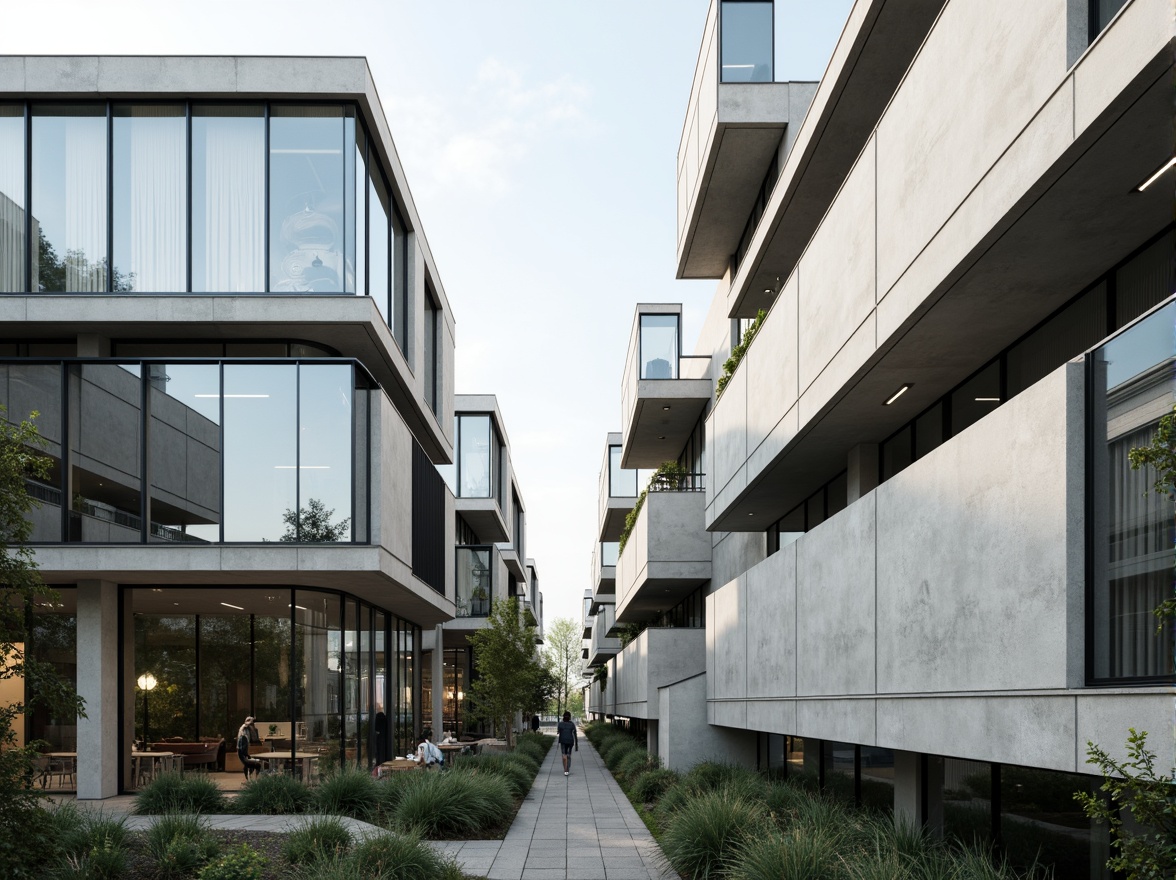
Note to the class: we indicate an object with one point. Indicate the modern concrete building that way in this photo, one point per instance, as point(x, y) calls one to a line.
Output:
point(491, 563)
point(918, 566)
point(217, 293)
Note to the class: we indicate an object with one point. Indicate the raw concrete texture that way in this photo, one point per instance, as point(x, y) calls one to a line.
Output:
point(97, 683)
point(770, 610)
point(684, 736)
point(655, 658)
point(771, 367)
point(842, 720)
point(835, 607)
point(973, 578)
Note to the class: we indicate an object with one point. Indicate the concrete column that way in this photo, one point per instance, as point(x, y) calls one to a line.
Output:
point(98, 685)
point(918, 791)
point(862, 471)
point(438, 682)
point(93, 345)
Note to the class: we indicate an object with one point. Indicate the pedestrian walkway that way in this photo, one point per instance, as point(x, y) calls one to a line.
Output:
point(579, 827)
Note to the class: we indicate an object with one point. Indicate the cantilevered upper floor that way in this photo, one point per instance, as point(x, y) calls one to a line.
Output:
point(211, 202)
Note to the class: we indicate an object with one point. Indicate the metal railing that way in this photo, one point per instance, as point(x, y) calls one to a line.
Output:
point(678, 483)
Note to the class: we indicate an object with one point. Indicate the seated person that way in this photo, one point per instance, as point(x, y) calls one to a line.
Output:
point(428, 754)
point(249, 764)
point(449, 738)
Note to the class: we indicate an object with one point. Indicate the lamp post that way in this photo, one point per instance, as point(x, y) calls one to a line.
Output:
point(146, 683)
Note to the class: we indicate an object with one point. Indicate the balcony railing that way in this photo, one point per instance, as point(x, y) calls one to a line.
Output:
point(678, 483)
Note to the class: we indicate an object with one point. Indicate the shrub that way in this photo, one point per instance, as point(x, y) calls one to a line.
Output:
point(447, 805)
point(347, 793)
point(652, 784)
point(174, 793)
point(90, 845)
point(702, 838)
point(321, 838)
point(274, 794)
point(532, 750)
point(516, 775)
point(615, 751)
point(634, 764)
point(242, 863)
point(180, 844)
point(542, 740)
point(797, 855)
point(397, 857)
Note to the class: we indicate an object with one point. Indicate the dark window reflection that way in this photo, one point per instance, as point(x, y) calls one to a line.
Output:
point(967, 801)
point(306, 199)
point(23, 389)
point(261, 455)
point(976, 398)
point(228, 198)
point(165, 647)
point(1042, 825)
point(379, 205)
point(183, 451)
point(69, 198)
point(325, 419)
point(839, 760)
point(13, 248)
point(150, 197)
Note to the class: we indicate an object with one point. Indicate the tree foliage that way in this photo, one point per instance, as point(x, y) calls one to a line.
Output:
point(1161, 457)
point(312, 524)
point(562, 656)
point(1133, 787)
point(508, 669)
point(22, 820)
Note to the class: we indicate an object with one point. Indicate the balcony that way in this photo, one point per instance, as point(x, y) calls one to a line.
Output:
point(601, 646)
point(663, 393)
point(667, 556)
point(737, 122)
point(654, 659)
point(474, 579)
point(617, 491)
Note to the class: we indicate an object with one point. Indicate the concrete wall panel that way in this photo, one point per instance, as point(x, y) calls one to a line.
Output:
point(735, 553)
point(771, 368)
point(730, 427)
point(840, 370)
point(1104, 719)
point(771, 625)
point(684, 736)
point(835, 611)
point(772, 716)
point(727, 627)
point(842, 720)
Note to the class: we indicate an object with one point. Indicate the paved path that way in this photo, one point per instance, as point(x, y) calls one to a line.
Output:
point(580, 827)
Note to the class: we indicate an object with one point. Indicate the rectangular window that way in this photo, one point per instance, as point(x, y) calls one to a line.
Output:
point(400, 284)
point(150, 187)
point(1069, 333)
point(306, 174)
point(428, 521)
point(24, 388)
point(379, 208)
point(928, 430)
point(69, 198)
point(13, 247)
point(659, 346)
point(1101, 13)
point(324, 452)
point(1131, 388)
point(746, 41)
point(474, 463)
point(896, 453)
point(228, 198)
point(432, 349)
point(622, 483)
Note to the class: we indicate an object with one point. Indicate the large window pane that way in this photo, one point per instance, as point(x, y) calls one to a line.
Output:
point(318, 673)
point(474, 582)
point(53, 640)
point(1044, 827)
point(13, 249)
point(352, 682)
point(659, 347)
point(306, 233)
point(69, 197)
point(746, 29)
point(432, 349)
point(381, 738)
point(357, 244)
point(183, 451)
point(840, 762)
point(325, 419)
point(224, 670)
point(271, 662)
point(165, 647)
point(622, 483)
point(104, 430)
point(1132, 571)
point(400, 312)
point(1068, 334)
point(379, 205)
point(228, 199)
point(261, 458)
point(967, 801)
point(353, 159)
point(474, 458)
point(150, 198)
point(23, 389)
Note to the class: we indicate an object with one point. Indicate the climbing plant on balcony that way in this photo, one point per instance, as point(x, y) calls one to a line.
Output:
point(738, 351)
point(670, 475)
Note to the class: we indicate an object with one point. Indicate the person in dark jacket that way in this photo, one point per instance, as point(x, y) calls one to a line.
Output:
point(566, 732)
point(247, 733)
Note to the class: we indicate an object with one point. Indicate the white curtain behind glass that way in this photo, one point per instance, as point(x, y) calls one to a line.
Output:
point(12, 215)
point(235, 211)
point(158, 233)
point(85, 204)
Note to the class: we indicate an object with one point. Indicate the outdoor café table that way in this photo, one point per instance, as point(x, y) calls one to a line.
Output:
point(274, 760)
point(152, 763)
point(398, 764)
point(61, 765)
point(451, 751)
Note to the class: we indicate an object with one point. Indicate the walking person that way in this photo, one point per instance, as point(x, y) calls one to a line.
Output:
point(566, 731)
point(246, 734)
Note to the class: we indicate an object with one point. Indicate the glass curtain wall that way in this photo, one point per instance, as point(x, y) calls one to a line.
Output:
point(52, 640)
point(745, 29)
point(476, 459)
point(622, 483)
point(25, 387)
point(659, 347)
point(474, 581)
point(1132, 387)
point(13, 247)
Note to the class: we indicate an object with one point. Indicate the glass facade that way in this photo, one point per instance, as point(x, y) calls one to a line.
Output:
point(745, 30)
point(455, 667)
point(475, 581)
point(311, 666)
point(229, 451)
point(1132, 386)
point(160, 198)
point(479, 457)
point(658, 347)
point(622, 482)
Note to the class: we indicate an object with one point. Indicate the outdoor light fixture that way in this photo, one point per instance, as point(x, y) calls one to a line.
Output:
point(217, 396)
point(661, 436)
point(897, 394)
point(1156, 174)
point(227, 605)
point(302, 467)
point(988, 400)
point(666, 408)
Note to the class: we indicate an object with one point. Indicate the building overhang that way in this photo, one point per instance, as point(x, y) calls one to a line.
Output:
point(663, 415)
point(612, 523)
point(369, 573)
point(484, 517)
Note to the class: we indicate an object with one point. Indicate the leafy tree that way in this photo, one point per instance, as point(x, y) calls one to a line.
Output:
point(562, 657)
point(1134, 787)
point(23, 821)
point(312, 524)
point(508, 670)
point(544, 694)
point(1161, 456)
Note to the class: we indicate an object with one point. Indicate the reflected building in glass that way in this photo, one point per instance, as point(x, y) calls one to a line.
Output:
point(897, 550)
point(221, 305)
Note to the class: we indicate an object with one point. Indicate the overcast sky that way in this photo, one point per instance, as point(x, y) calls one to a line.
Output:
point(539, 141)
